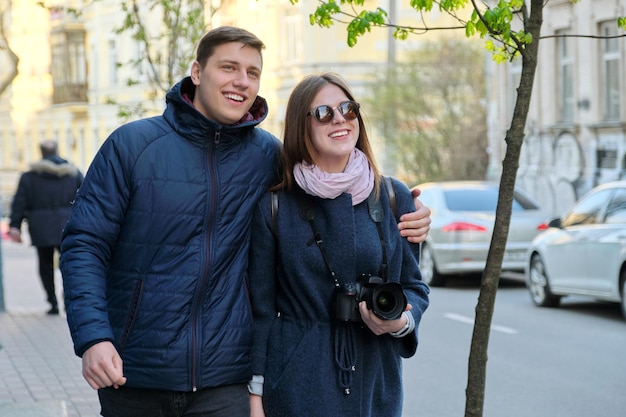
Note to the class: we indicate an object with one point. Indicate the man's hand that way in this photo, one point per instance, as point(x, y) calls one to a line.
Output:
point(15, 234)
point(102, 366)
point(415, 226)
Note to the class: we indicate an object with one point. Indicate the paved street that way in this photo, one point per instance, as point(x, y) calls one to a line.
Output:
point(39, 374)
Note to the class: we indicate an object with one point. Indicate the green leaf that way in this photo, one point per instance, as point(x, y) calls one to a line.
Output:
point(323, 15)
point(470, 29)
point(400, 34)
point(426, 5)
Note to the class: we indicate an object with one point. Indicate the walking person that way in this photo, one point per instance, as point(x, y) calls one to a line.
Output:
point(337, 295)
point(155, 253)
point(44, 199)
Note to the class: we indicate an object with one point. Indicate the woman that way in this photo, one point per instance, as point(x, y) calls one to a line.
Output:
point(318, 349)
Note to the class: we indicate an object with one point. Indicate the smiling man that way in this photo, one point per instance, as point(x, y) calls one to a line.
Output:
point(155, 253)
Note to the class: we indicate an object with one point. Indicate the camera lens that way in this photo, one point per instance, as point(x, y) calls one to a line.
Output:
point(385, 301)
point(388, 301)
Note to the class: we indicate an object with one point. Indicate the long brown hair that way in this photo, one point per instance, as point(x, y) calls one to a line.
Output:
point(297, 143)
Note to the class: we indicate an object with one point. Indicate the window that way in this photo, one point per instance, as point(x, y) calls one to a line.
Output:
point(610, 72)
point(291, 39)
point(483, 200)
point(616, 212)
point(565, 77)
point(69, 66)
point(588, 210)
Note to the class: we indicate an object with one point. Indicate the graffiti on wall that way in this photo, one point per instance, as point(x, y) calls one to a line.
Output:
point(551, 169)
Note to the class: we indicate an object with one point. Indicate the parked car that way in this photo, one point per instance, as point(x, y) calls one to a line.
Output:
point(584, 252)
point(462, 221)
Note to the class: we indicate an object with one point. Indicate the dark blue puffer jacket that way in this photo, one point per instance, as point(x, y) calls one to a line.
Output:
point(154, 255)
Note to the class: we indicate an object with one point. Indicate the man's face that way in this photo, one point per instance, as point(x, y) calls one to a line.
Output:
point(229, 82)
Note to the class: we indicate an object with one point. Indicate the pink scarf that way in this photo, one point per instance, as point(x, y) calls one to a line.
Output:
point(357, 179)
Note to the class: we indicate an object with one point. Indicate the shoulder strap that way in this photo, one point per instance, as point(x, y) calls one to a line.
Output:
point(391, 192)
point(376, 214)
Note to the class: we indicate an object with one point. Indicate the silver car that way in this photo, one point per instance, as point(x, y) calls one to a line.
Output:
point(584, 252)
point(462, 220)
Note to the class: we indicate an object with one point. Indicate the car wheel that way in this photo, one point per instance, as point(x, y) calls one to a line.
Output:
point(539, 286)
point(430, 275)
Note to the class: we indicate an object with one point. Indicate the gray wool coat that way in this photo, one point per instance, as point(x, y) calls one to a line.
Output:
point(298, 346)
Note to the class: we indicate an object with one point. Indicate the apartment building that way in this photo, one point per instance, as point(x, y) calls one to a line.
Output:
point(69, 72)
point(576, 127)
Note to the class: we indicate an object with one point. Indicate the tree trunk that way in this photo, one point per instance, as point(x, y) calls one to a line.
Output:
point(477, 368)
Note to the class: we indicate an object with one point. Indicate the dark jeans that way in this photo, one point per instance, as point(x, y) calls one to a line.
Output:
point(226, 401)
point(46, 272)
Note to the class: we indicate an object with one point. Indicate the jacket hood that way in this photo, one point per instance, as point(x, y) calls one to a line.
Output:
point(54, 166)
point(192, 124)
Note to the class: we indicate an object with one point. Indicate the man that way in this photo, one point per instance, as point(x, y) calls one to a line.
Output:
point(44, 197)
point(155, 253)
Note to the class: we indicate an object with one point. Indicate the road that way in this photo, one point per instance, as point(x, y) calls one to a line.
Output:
point(563, 362)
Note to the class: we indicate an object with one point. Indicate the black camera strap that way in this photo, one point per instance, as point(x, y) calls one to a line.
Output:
point(307, 211)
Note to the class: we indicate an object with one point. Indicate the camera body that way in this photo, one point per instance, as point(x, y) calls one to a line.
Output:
point(386, 299)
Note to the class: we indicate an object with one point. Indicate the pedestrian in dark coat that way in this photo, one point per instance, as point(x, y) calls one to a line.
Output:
point(44, 198)
point(320, 240)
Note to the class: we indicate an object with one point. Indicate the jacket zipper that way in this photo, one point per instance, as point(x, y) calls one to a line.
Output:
point(205, 275)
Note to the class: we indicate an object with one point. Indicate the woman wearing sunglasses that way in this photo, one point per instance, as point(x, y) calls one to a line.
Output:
point(336, 292)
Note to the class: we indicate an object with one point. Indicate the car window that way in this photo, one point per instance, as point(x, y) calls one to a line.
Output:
point(427, 198)
point(587, 210)
point(523, 202)
point(482, 199)
point(616, 211)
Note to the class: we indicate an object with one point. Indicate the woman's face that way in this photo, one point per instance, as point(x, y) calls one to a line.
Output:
point(333, 141)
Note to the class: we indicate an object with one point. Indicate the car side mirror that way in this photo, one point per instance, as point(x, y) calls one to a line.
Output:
point(555, 223)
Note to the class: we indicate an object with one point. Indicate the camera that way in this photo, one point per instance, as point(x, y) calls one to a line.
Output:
point(386, 299)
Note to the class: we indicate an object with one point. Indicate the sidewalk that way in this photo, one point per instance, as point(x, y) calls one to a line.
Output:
point(39, 374)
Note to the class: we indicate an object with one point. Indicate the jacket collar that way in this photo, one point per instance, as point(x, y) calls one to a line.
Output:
point(194, 126)
point(54, 168)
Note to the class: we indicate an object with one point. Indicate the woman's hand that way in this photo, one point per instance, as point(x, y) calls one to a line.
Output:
point(379, 326)
point(256, 406)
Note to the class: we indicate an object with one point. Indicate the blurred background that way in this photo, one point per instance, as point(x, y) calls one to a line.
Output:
point(438, 107)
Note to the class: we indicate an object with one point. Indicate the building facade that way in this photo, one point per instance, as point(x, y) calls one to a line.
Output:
point(70, 74)
point(576, 128)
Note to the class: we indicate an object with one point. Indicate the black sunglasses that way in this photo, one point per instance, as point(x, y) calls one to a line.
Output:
point(325, 114)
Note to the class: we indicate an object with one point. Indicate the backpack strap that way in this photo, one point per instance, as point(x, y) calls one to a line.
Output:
point(391, 192)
